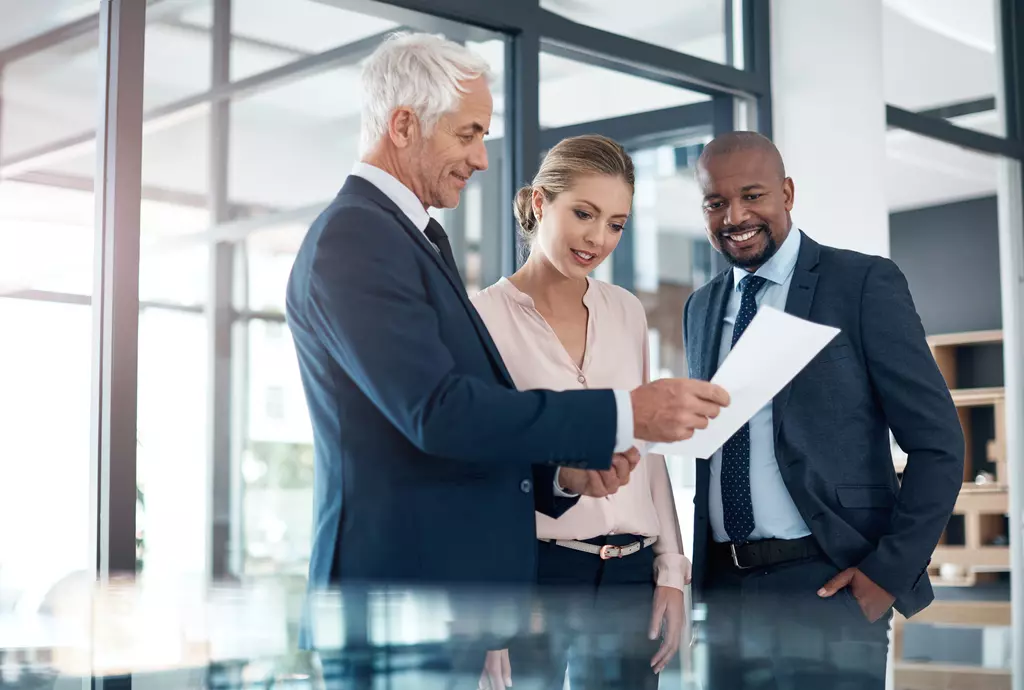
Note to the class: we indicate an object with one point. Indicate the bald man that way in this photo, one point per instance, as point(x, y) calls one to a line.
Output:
point(804, 537)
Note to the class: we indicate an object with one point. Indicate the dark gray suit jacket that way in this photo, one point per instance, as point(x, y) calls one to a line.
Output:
point(832, 422)
point(429, 464)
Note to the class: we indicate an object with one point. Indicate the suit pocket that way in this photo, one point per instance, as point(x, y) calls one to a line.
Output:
point(865, 496)
point(833, 352)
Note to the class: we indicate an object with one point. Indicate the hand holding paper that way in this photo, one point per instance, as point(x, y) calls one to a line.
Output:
point(670, 409)
point(775, 347)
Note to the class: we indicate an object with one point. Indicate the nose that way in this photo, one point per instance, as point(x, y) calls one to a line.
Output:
point(593, 238)
point(737, 214)
point(478, 156)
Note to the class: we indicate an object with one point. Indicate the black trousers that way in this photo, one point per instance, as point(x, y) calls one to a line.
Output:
point(595, 616)
point(767, 629)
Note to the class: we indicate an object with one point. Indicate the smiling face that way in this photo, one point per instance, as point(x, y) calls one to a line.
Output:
point(747, 204)
point(579, 228)
point(441, 164)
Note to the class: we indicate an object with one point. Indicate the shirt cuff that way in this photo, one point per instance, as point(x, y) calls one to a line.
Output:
point(559, 492)
point(624, 422)
point(672, 570)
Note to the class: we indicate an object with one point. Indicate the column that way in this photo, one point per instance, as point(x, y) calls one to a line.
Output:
point(829, 118)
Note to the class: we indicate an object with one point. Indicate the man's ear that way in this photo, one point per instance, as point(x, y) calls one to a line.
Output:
point(403, 127)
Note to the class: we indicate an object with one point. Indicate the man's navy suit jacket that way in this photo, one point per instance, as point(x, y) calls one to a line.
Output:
point(429, 464)
point(832, 422)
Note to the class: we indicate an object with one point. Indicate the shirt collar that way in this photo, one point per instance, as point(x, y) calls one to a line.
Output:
point(778, 268)
point(404, 199)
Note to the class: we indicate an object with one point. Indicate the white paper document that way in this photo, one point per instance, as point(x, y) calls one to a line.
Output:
point(775, 347)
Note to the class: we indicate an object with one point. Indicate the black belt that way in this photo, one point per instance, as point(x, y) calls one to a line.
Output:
point(766, 552)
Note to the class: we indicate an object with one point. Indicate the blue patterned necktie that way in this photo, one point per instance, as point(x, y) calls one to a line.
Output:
point(737, 509)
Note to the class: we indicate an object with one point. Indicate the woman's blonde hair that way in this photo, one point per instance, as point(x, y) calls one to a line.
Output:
point(568, 160)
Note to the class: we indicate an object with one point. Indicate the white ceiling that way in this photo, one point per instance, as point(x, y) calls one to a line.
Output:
point(938, 52)
point(696, 27)
point(25, 18)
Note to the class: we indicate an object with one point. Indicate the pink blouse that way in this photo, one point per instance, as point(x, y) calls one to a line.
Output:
point(616, 357)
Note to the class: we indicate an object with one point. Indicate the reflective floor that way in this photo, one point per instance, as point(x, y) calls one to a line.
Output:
point(192, 636)
point(164, 637)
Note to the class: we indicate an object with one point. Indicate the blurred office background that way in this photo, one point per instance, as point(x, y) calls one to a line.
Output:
point(161, 160)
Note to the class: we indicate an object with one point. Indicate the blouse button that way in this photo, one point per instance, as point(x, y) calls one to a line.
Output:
point(582, 378)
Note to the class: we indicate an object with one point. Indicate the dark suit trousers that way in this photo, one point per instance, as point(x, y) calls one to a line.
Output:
point(595, 615)
point(767, 629)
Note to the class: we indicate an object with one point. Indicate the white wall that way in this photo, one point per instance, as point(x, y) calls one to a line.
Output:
point(829, 118)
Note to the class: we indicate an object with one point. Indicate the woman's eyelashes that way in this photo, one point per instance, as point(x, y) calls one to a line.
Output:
point(586, 215)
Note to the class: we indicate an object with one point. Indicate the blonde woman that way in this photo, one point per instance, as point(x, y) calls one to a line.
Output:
point(611, 570)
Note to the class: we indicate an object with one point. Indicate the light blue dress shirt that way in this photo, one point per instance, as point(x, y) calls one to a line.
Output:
point(775, 514)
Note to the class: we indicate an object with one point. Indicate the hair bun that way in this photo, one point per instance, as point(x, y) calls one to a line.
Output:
point(523, 210)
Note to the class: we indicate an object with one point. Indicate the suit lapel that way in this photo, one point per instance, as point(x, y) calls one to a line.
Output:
point(365, 188)
point(713, 318)
point(798, 303)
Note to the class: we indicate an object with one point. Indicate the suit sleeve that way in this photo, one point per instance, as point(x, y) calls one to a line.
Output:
point(924, 422)
point(686, 333)
point(544, 498)
point(370, 309)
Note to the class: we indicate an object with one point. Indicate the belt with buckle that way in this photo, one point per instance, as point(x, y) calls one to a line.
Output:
point(607, 551)
point(768, 552)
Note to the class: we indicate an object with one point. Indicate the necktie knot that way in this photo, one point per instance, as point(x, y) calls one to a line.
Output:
point(435, 233)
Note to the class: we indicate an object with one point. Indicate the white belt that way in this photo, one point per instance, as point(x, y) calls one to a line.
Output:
point(607, 551)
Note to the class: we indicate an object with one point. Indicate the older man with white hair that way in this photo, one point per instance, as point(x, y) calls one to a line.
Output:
point(429, 464)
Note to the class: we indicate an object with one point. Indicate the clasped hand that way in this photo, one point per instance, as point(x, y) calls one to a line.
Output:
point(600, 483)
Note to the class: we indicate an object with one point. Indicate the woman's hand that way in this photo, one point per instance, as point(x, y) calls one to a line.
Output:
point(666, 618)
point(497, 671)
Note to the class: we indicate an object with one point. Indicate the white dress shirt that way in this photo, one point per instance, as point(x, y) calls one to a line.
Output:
point(413, 208)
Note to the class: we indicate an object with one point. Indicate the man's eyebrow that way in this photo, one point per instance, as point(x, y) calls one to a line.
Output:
point(476, 127)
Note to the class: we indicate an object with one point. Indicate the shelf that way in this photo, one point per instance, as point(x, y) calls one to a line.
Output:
point(989, 499)
point(988, 557)
point(977, 397)
point(968, 580)
point(924, 676)
point(964, 613)
point(967, 338)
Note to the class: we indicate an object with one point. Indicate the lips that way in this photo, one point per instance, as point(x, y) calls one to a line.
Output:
point(584, 258)
point(742, 237)
point(462, 179)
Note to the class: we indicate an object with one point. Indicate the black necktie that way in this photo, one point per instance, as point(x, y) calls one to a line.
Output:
point(436, 234)
point(737, 509)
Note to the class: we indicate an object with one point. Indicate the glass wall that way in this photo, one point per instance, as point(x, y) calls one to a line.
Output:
point(250, 125)
point(702, 28)
point(942, 60)
point(49, 98)
point(947, 200)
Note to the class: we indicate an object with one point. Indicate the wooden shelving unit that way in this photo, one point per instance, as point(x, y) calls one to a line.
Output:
point(922, 676)
point(947, 350)
point(982, 506)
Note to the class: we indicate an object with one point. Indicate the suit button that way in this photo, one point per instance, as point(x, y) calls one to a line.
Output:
point(524, 486)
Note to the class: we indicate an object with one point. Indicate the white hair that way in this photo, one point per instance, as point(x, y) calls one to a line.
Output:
point(420, 71)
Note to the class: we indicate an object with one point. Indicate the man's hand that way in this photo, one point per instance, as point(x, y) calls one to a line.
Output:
point(669, 410)
point(873, 600)
point(667, 619)
point(497, 672)
point(600, 483)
